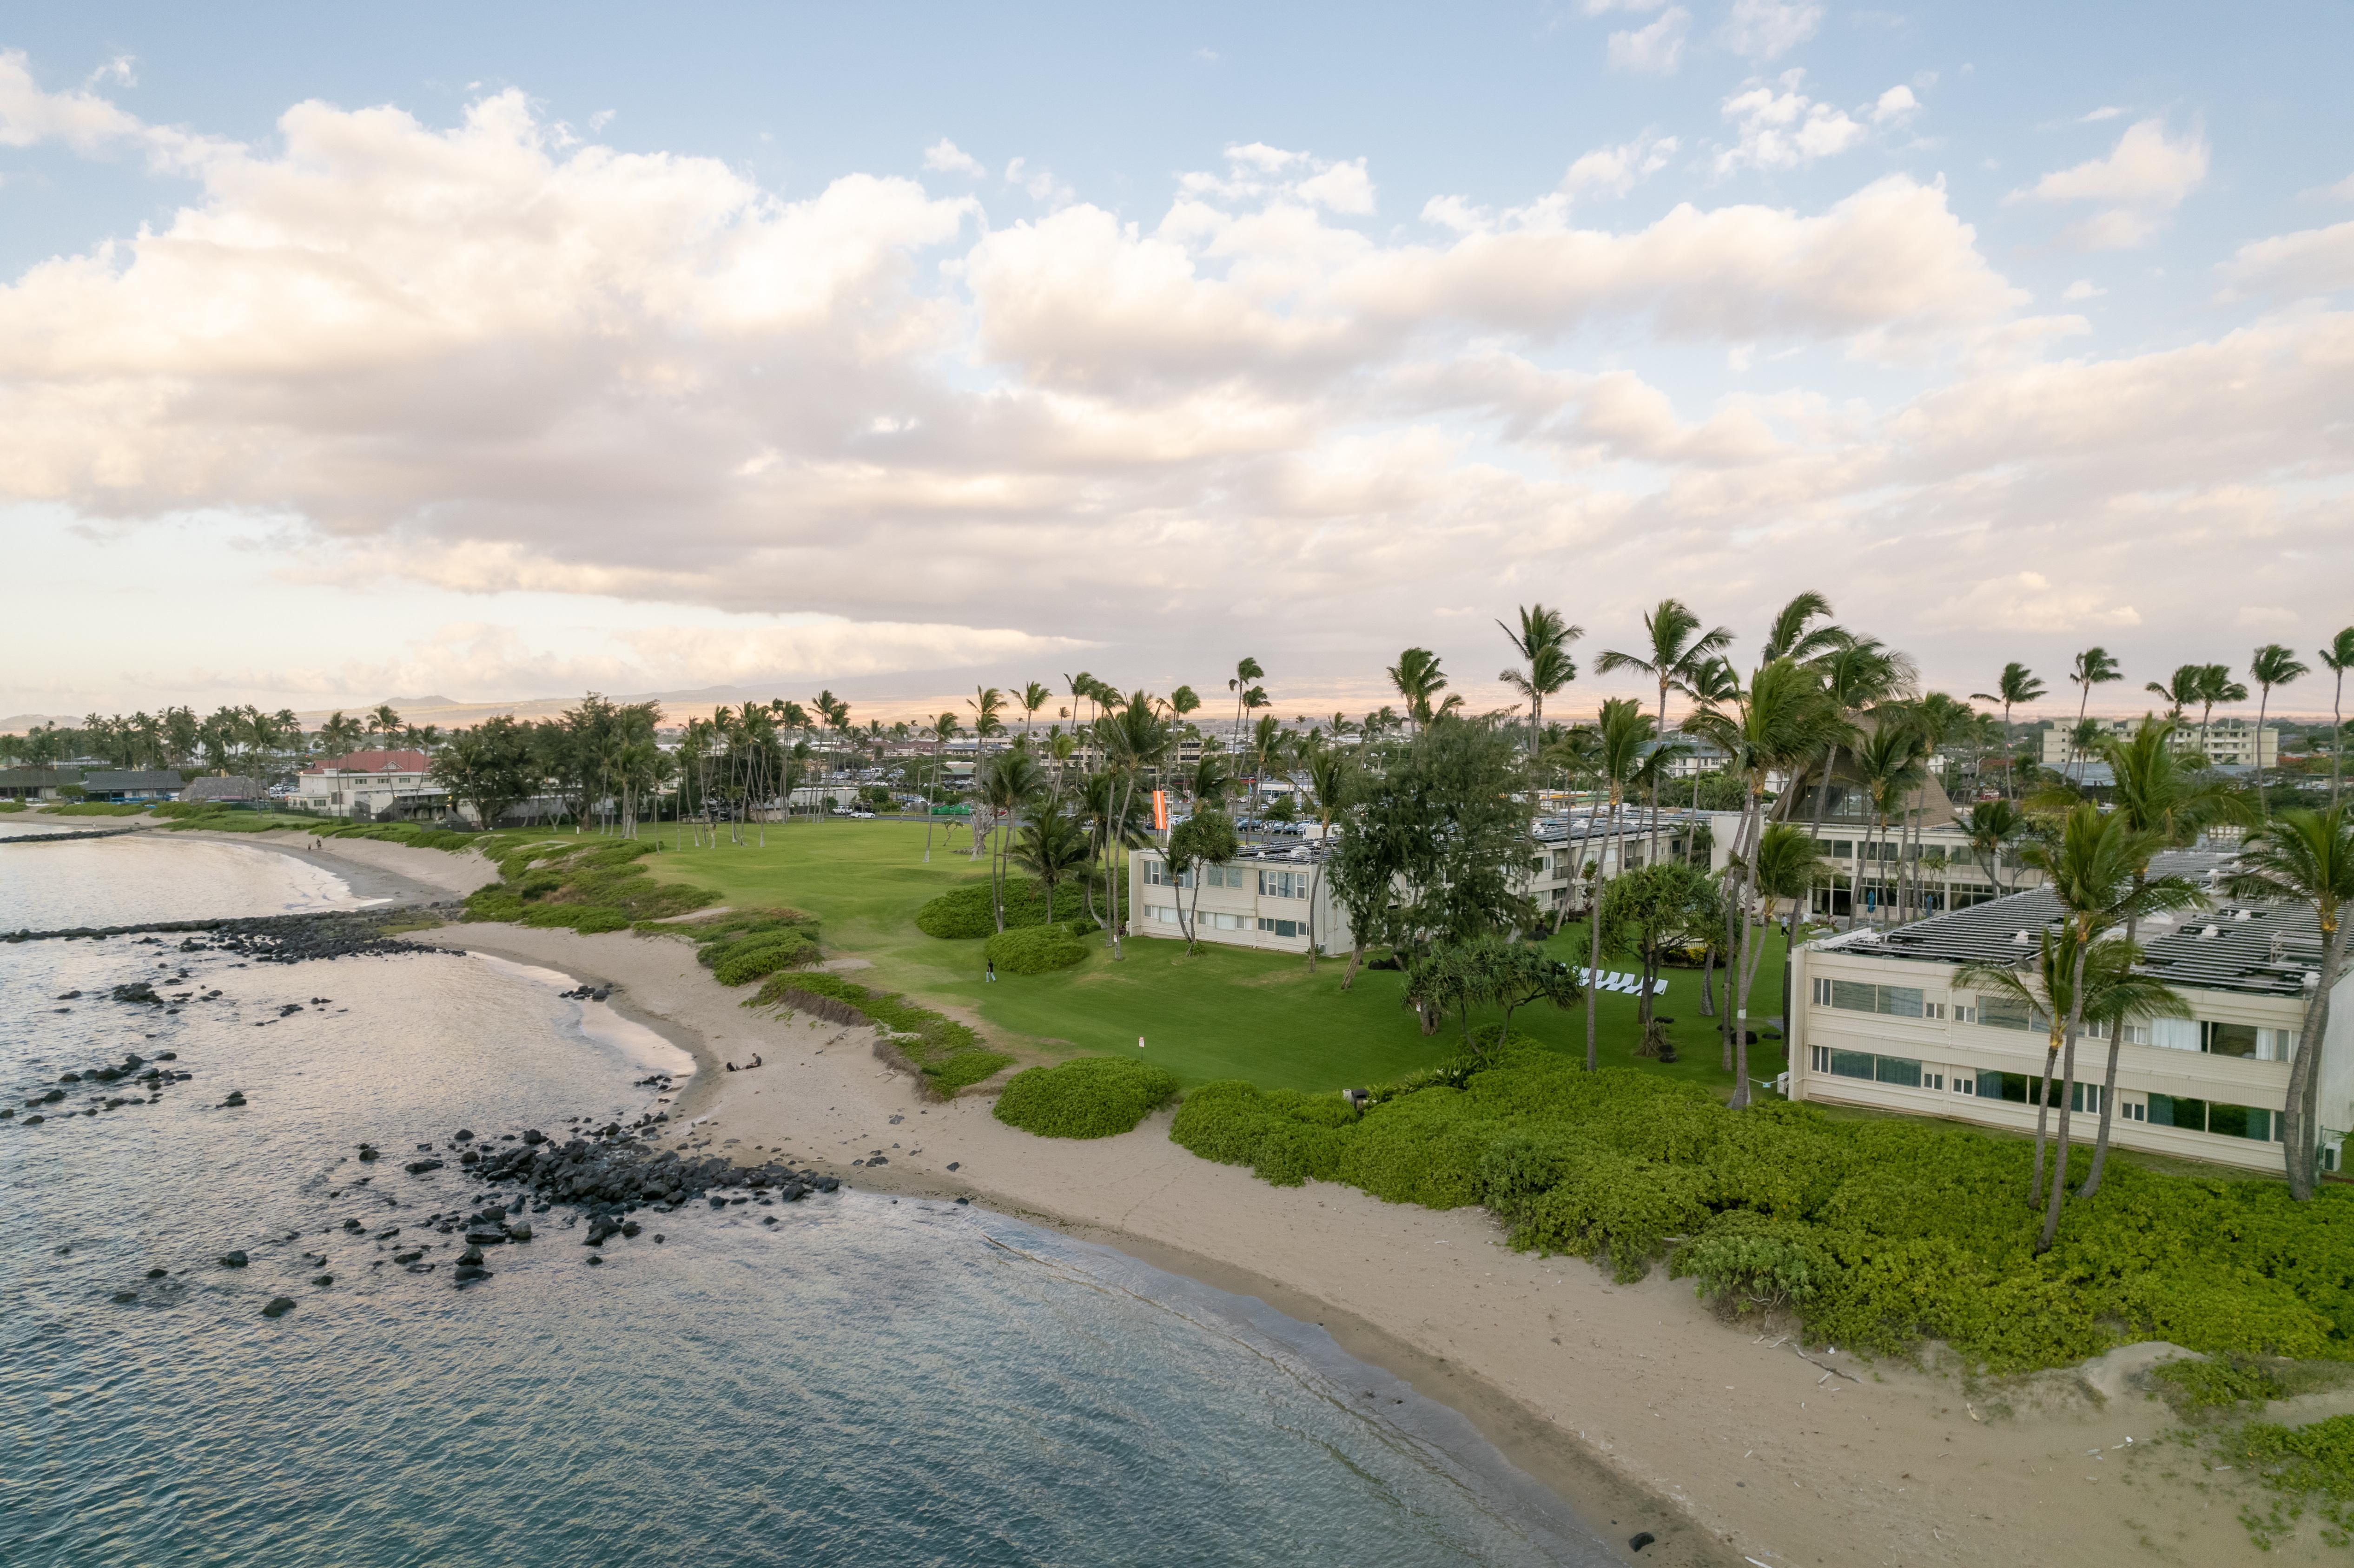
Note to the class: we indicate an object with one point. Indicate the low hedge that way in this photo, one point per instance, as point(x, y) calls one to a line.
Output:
point(1035, 949)
point(762, 957)
point(964, 913)
point(949, 1055)
point(1087, 1097)
point(1879, 1233)
point(586, 883)
point(98, 809)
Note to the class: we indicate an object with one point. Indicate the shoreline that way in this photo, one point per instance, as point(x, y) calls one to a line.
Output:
point(1631, 1402)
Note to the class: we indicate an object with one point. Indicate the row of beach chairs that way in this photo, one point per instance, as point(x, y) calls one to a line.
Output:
point(1624, 983)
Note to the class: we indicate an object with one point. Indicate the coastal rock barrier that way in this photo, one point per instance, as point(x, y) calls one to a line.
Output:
point(271, 939)
point(76, 833)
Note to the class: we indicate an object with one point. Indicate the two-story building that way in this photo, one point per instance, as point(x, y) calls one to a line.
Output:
point(1885, 1019)
point(1270, 898)
point(371, 784)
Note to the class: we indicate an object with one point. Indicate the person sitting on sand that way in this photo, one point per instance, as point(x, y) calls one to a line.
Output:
point(731, 1067)
point(756, 1062)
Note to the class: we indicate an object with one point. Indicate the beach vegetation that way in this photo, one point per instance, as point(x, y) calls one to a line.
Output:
point(100, 809)
point(1087, 1096)
point(1881, 1233)
point(966, 913)
point(586, 884)
point(948, 1054)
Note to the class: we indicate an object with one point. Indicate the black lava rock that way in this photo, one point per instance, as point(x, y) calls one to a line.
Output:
point(234, 1260)
point(419, 1167)
point(279, 1307)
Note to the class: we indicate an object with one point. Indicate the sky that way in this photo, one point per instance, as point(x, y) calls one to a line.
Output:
point(507, 353)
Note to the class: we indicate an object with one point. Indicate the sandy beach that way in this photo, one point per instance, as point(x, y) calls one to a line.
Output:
point(1635, 1403)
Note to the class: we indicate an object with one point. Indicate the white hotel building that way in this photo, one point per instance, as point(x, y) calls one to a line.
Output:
point(1884, 1020)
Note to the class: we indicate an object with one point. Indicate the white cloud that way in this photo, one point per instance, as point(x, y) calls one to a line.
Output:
point(1614, 171)
point(2144, 178)
point(88, 123)
point(1786, 129)
point(2084, 289)
point(944, 157)
point(2342, 191)
point(412, 362)
point(2106, 112)
point(1895, 106)
point(1039, 183)
point(1767, 29)
point(2312, 262)
point(1655, 50)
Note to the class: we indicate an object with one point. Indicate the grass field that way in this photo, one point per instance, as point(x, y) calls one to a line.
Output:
point(1222, 1013)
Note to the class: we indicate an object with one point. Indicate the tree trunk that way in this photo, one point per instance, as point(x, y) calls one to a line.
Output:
point(1356, 957)
point(2068, 1084)
point(2109, 1081)
point(2043, 1110)
point(2300, 1140)
point(1708, 977)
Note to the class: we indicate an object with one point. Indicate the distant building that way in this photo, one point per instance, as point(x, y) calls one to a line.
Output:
point(2230, 742)
point(1883, 1019)
point(129, 786)
point(1700, 755)
point(37, 783)
point(1267, 898)
point(224, 791)
point(371, 784)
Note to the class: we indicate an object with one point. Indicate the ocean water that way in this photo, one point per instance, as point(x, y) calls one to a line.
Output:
point(865, 1381)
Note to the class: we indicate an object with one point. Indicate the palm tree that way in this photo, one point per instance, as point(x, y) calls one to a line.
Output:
point(1993, 826)
point(1891, 763)
point(1677, 651)
point(1005, 782)
point(2304, 857)
point(1418, 677)
point(1246, 670)
point(986, 703)
point(2017, 687)
point(1794, 634)
point(2339, 656)
point(1861, 673)
point(941, 731)
point(1135, 739)
point(1331, 773)
point(2098, 871)
point(2094, 667)
point(2216, 685)
point(1789, 862)
point(1620, 733)
point(1774, 726)
point(1033, 697)
point(1182, 702)
point(1051, 846)
point(1542, 642)
point(2181, 689)
point(2270, 665)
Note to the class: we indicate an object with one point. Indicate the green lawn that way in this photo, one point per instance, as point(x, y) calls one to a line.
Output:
point(1222, 1013)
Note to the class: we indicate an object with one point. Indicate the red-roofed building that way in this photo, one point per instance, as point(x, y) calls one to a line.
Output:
point(370, 783)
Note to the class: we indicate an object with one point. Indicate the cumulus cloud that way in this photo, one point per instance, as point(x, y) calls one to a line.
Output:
point(1767, 29)
point(1786, 129)
point(1653, 50)
point(2313, 263)
point(2082, 288)
point(857, 430)
point(1614, 171)
point(946, 157)
point(2136, 187)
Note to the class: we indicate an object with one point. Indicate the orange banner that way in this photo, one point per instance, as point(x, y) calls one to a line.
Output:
point(1160, 811)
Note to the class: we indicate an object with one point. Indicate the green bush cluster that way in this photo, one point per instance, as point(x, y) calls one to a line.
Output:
point(1881, 1233)
point(753, 943)
point(2225, 1383)
point(2301, 1464)
point(1035, 949)
point(1087, 1097)
point(962, 913)
point(11, 807)
point(949, 1055)
point(98, 809)
point(587, 885)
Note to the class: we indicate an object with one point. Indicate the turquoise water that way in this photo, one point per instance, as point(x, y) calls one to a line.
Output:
point(865, 1381)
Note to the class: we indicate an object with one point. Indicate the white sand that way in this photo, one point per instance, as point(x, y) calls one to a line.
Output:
point(1630, 1400)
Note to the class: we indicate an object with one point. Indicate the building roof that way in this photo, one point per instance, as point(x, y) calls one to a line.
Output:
point(1634, 822)
point(48, 778)
point(131, 779)
point(235, 786)
point(372, 762)
point(2262, 949)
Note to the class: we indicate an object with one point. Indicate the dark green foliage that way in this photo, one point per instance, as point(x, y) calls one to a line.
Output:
point(949, 1055)
point(2220, 1384)
point(1882, 1233)
point(586, 883)
point(963, 913)
point(1035, 949)
point(756, 958)
point(1087, 1097)
point(1437, 844)
point(97, 809)
point(751, 944)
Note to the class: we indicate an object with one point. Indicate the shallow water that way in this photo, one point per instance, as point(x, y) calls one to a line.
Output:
point(886, 1383)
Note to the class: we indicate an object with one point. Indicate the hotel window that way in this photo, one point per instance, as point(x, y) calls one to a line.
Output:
point(1284, 928)
point(2131, 1110)
point(1966, 1084)
point(1863, 996)
point(1283, 883)
point(2009, 1012)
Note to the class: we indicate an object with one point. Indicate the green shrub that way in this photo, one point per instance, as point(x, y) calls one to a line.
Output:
point(949, 1055)
point(98, 809)
point(11, 807)
point(1035, 949)
point(1881, 1233)
point(2227, 1382)
point(583, 883)
point(748, 961)
point(964, 913)
point(2312, 1463)
point(1087, 1097)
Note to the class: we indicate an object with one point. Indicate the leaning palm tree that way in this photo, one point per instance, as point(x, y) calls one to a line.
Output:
point(987, 704)
point(1418, 678)
point(1787, 865)
point(1005, 782)
point(1794, 635)
point(1621, 735)
point(2097, 869)
point(1051, 846)
point(1894, 768)
point(1677, 651)
point(2017, 688)
point(2304, 857)
point(1861, 674)
point(1542, 642)
point(2094, 667)
point(1135, 739)
point(1331, 775)
point(2180, 689)
point(2215, 685)
point(941, 731)
point(2339, 658)
point(2270, 665)
point(1773, 727)
point(1247, 671)
point(1035, 695)
point(1993, 827)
